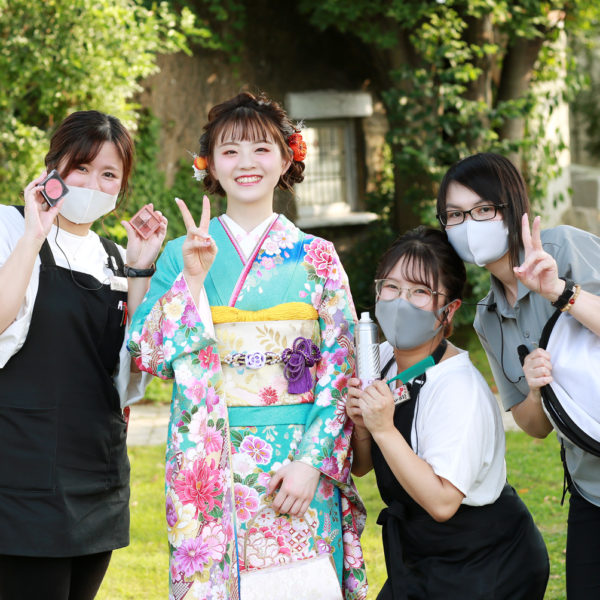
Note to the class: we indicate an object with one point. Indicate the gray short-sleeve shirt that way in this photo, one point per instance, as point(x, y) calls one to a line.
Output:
point(502, 328)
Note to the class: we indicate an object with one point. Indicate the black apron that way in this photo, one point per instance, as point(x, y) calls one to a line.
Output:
point(492, 552)
point(64, 470)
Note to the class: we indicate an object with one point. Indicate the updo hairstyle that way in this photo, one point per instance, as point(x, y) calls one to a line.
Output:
point(247, 117)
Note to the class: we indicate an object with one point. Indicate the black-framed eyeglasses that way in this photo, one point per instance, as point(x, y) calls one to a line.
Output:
point(417, 295)
point(484, 212)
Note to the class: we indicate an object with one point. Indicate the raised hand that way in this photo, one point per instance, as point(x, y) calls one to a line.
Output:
point(199, 249)
point(39, 216)
point(142, 253)
point(539, 271)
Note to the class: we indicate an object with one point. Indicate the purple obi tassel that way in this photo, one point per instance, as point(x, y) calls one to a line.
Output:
point(297, 360)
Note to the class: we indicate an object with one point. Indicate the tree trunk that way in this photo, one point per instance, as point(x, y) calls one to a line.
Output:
point(387, 62)
point(517, 69)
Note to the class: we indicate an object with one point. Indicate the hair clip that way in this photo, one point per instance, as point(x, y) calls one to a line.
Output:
point(298, 146)
point(200, 166)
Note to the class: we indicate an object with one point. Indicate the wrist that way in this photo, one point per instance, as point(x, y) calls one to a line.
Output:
point(381, 434)
point(562, 299)
point(30, 246)
point(131, 271)
point(558, 290)
point(360, 434)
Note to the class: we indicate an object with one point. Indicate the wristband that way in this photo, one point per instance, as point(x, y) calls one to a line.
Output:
point(571, 300)
point(562, 300)
point(132, 272)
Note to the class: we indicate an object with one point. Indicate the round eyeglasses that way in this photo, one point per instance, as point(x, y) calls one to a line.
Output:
point(418, 295)
point(485, 212)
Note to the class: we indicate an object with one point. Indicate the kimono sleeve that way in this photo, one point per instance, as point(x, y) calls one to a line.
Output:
point(167, 323)
point(326, 440)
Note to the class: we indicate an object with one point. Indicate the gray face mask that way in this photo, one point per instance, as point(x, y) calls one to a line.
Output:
point(405, 326)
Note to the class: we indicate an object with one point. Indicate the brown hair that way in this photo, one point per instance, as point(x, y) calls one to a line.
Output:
point(248, 117)
point(494, 179)
point(79, 138)
point(433, 262)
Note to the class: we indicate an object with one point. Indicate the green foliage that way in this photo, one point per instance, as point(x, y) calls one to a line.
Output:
point(221, 25)
point(65, 55)
point(447, 73)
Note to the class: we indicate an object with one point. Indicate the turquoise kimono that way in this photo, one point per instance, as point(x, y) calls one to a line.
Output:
point(268, 386)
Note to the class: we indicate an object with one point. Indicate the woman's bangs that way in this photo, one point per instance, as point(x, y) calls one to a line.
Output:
point(84, 152)
point(418, 267)
point(248, 126)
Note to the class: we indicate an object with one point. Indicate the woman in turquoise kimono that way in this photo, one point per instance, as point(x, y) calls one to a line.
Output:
point(254, 321)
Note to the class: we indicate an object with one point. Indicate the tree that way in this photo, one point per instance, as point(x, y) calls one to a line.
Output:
point(460, 76)
point(64, 55)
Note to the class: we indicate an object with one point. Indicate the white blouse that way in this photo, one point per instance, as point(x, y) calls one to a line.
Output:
point(457, 428)
point(80, 253)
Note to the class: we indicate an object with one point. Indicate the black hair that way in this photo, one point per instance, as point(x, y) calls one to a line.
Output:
point(78, 139)
point(494, 179)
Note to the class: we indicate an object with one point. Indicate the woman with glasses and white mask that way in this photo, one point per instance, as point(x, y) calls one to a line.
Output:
point(432, 430)
point(483, 206)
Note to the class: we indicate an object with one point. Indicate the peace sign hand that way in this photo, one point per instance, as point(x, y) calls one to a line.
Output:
point(199, 249)
point(539, 271)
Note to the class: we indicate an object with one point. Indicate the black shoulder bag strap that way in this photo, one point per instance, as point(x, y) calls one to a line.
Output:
point(561, 418)
point(115, 261)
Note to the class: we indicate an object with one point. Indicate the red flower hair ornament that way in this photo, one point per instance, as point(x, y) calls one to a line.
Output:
point(298, 146)
point(200, 167)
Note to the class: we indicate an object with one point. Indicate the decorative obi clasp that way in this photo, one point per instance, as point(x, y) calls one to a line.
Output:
point(297, 360)
point(252, 360)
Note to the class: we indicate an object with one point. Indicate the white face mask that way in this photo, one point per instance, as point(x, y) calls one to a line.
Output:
point(84, 205)
point(479, 242)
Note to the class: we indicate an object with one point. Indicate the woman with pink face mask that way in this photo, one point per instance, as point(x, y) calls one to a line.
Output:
point(64, 369)
point(483, 207)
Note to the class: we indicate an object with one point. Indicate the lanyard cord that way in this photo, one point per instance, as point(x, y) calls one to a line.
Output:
point(417, 372)
point(419, 368)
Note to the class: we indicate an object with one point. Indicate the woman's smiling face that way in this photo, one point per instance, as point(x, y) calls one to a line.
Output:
point(248, 170)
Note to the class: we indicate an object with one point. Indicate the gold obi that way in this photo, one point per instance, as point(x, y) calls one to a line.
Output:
point(246, 339)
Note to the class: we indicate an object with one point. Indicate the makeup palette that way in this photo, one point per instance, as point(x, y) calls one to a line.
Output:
point(54, 188)
point(145, 221)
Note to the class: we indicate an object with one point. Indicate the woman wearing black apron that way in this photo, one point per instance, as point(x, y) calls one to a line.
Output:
point(453, 528)
point(64, 471)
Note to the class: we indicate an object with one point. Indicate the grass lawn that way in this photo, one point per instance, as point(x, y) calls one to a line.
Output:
point(140, 571)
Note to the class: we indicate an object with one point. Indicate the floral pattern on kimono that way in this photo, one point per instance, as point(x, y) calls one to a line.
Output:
point(217, 473)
